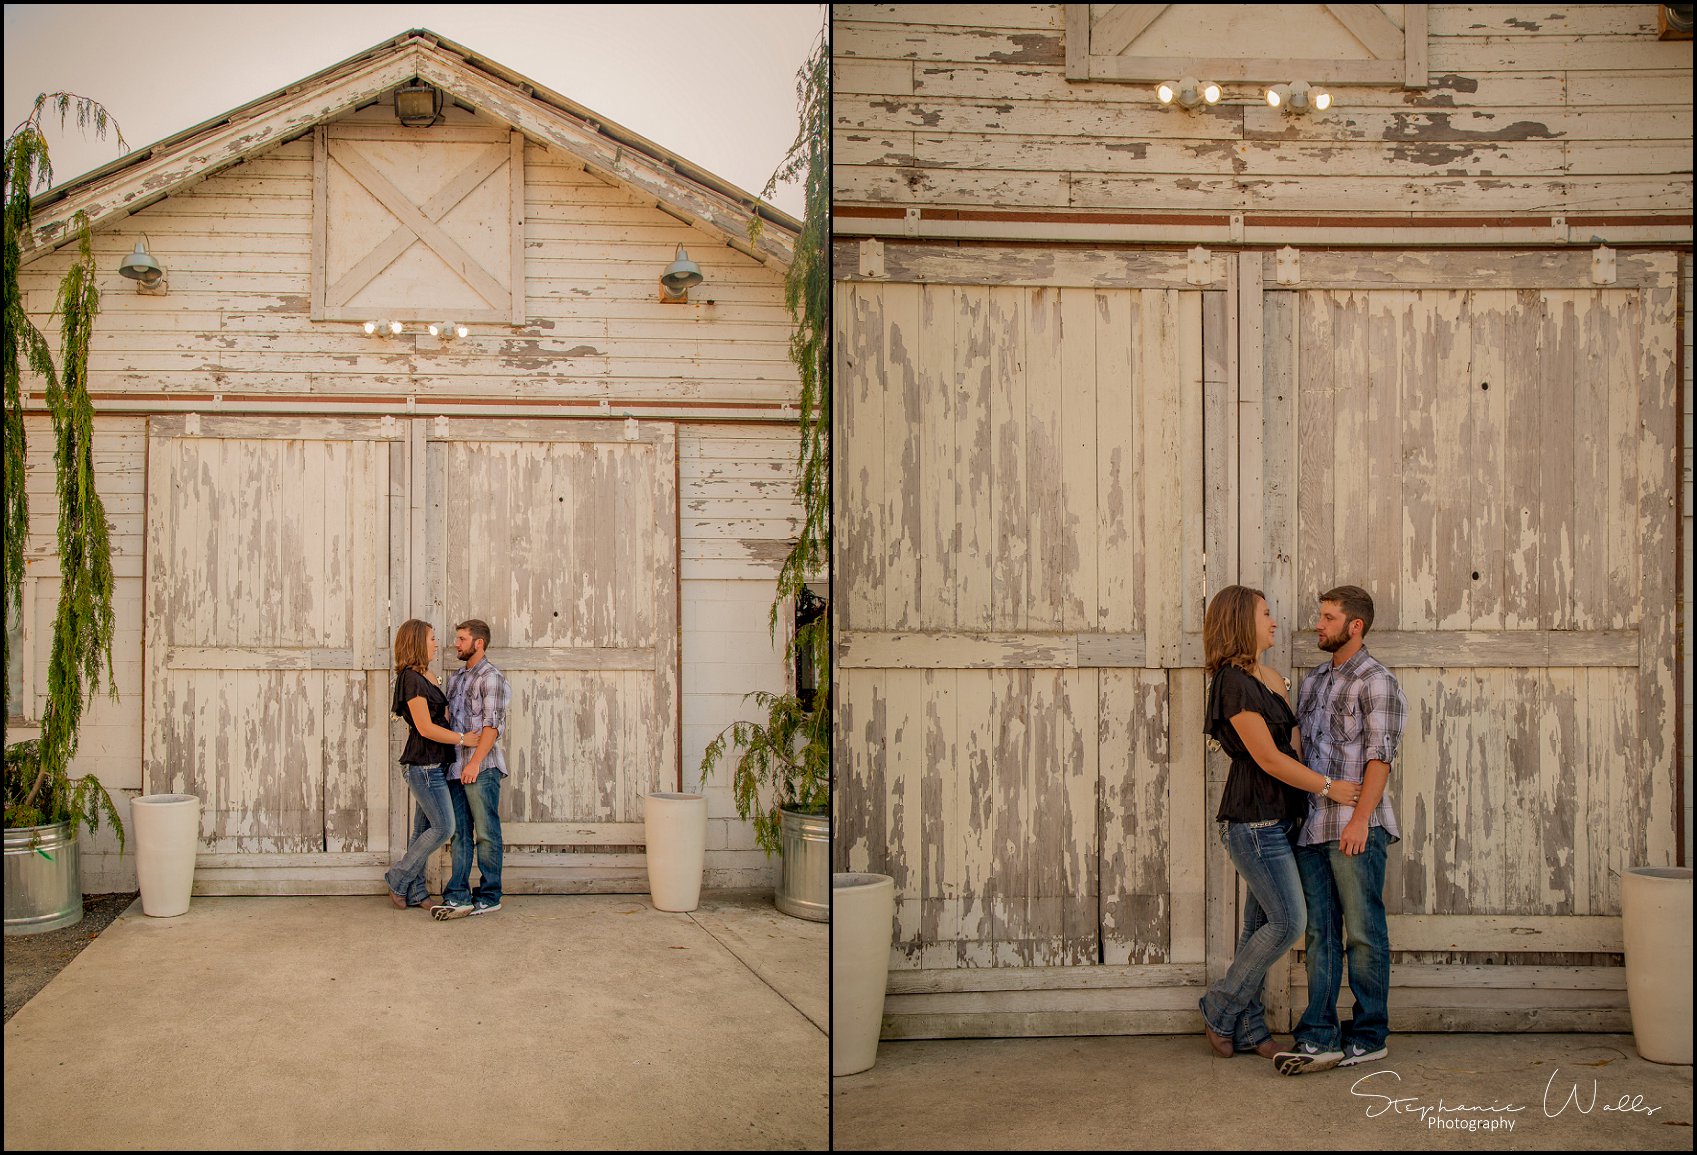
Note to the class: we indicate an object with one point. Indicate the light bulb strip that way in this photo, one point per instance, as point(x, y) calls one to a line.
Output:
point(1299, 97)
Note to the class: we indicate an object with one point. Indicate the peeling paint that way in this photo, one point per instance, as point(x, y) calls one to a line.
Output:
point(1437, 126)
point(1030, 48)
point(1432, 154)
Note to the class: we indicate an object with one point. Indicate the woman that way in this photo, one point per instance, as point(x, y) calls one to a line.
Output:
point(425, 762)
point(1263, 807)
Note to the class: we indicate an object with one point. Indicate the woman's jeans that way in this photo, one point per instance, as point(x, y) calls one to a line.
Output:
point(431, 829)
point(1273, 922)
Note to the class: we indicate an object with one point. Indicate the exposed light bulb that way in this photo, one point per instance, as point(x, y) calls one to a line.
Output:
point(1211, 94)
point(435, 329)
point(370, 328)
point(395, 327)
point(1165, 93)
point(1274, 97)
point(462, 331)
point(1322, 100)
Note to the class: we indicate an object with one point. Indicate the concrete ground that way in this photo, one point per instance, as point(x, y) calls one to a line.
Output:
point(1173, 1093)
point(562, 1021)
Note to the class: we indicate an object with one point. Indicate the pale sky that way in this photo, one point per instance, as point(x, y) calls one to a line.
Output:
point(713, 83)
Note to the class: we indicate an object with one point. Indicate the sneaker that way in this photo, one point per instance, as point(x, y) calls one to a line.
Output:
point(486, 908)
point(1305, 1057)
point(1354, 1053)
point(449, 910)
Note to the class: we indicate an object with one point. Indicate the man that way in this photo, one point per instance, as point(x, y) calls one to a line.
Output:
point(478, 697)
point(1351, 712)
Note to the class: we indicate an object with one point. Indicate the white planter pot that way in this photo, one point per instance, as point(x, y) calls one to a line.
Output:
point(1655, 913)
point(167, 830)
point(675, 834)
point(863, 915)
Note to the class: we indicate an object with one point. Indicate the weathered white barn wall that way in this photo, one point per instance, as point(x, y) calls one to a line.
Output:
point(234, 335)
point(236, 249)
point(1576, 112)
point(1686, 603)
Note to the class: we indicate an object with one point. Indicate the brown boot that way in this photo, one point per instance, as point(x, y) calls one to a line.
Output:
point(1222, 1045)
point(1267, 1049)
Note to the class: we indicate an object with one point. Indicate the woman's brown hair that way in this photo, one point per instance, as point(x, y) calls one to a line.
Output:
point(412, 646)
point(1228, 630)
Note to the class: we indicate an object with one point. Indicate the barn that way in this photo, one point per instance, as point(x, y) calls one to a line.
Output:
point(411, 357)
point(1100, 355)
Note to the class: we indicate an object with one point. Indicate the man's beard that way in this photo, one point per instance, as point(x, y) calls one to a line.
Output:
point(1332, 643)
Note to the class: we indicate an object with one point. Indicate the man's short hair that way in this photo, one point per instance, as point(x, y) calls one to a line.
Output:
point(1355, 603)
point(479, 629)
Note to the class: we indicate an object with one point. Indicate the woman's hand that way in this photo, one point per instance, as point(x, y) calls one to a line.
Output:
point(1346, 793)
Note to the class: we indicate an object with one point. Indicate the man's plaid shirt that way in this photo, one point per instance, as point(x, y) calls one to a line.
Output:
point(1350, 715)
point(478, 696)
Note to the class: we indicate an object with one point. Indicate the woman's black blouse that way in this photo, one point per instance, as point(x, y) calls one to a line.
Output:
point(422, 751)
point(1252, 794)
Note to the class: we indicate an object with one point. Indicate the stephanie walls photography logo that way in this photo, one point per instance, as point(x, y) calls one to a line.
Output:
point(1561, 1095)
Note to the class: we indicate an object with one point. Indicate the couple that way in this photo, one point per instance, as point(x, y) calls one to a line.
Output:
point(453, 765)
point(1307, 822)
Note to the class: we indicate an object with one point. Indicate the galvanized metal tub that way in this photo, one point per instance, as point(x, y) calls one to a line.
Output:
point(43, 879)
point(804, 874)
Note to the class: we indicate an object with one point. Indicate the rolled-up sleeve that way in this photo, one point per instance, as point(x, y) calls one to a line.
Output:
point(1386, 713)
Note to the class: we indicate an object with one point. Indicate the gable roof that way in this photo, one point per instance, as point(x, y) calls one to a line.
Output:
point(147, 175)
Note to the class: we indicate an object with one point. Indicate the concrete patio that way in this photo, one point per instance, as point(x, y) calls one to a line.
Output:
point(1165, 1092)
point(562, 1021)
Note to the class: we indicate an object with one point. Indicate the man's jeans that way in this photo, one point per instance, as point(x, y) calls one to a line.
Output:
point(432, 826)
point(1272, 923)
point(477, 810)
point(1346, 893)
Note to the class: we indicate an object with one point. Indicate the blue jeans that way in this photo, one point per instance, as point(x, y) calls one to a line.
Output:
point(431, 828)
point(1272, 923)
point(477, 811)
point(1346, 897)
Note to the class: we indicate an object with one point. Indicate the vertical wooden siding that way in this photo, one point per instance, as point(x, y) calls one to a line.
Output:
point(1480, 460)
point(266, 625)
point(1011, 550)
point(567, 548)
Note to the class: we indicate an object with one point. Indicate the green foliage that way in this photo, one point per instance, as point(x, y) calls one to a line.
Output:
point(38, 788)
point(786, 761)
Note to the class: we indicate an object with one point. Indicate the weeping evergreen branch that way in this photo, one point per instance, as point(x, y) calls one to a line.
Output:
point(786, 760)
point(38, 788)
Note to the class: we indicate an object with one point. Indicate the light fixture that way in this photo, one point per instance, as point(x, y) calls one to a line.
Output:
point(448, 330)
point(1299, 97)
point(1188, 92)
point(418, 105)
point(140, 267)
point(384, 328)
point(680, 276)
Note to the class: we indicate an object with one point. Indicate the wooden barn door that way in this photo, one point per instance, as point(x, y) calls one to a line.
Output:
point(1019, 554)
point(562, 536)
point(268, 640)
point(1487, 444)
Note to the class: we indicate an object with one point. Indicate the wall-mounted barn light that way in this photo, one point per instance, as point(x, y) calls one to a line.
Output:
point(680, 276)
point(1299, 97)
point(418, 105)
point(448, 330)
point(383, 328)
point(1188, 93)
point(141, 268)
